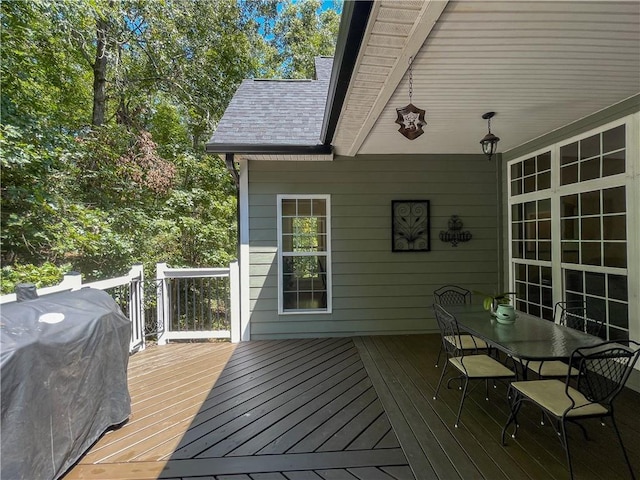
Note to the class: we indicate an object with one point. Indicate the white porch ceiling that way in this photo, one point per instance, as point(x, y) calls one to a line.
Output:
point(539, 65)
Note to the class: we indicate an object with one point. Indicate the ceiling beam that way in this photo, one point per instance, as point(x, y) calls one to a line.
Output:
point(425, 21)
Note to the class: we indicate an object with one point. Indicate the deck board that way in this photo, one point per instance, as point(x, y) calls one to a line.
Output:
point(421, 466)
point(439, 415)
point(301, 408)
point(317, 428)
point(330, 409)
point(276, 416)
point(536, 453)
point(244, 413)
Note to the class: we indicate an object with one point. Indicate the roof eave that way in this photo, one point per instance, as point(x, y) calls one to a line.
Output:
point(236, 148)
point(353, 24)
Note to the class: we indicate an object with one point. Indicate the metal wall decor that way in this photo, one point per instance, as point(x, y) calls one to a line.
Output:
point(455, 234)
point(410, 226)
point(410, 118)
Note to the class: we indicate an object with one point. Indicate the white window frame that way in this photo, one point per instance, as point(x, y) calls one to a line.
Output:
point(629, 179)
point(532, 197)
point(327, 254)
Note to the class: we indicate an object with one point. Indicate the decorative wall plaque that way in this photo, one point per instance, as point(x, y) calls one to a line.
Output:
point(410, 226)
point(455, 234)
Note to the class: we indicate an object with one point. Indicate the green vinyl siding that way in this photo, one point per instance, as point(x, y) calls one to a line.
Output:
point(375, 290)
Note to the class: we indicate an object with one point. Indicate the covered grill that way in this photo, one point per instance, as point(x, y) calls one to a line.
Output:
point(63, 365)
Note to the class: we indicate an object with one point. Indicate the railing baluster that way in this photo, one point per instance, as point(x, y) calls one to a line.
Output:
point(192, 306)
point(203, 303)
point(209, 304)
point(216, 312)
point(179, 288)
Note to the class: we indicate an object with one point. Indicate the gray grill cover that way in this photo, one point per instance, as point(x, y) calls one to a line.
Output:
point(64, 380)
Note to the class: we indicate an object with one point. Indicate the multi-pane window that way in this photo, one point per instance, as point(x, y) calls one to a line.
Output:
point(534, 289)
point(570, 203)
point(606, 299)
point(531, 175)
point(531, 234)
point(593, 227)
point(304, 253)
point(597, 156)
point(531, 230)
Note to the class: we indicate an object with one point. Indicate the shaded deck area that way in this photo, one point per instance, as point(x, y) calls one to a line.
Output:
point(328, 409)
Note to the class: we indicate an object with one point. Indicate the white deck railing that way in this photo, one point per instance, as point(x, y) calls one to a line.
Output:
point(187, 307)
point(131, 301)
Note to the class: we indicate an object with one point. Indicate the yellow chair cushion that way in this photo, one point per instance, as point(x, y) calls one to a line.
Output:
point(553, 368)
point(550, 395)
point(466, 342)
point(480, 366)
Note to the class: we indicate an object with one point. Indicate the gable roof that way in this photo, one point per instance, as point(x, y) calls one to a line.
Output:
point(539, 65)
point(276, 116)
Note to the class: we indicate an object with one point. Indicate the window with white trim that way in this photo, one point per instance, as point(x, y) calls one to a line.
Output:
point(531, 242)
point(304, 254)
point(568, 217)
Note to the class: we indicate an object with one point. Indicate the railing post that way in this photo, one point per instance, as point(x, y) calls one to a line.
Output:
point(142, 318)
point(234, 293)
point(136, 307)
point(162, 298)
point(71, 280)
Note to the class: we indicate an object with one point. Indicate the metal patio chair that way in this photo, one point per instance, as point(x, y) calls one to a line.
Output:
point(570, 315)
point(603, 370)
point(455, 295)
point(470, 367)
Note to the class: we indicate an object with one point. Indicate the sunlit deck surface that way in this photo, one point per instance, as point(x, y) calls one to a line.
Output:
point(332, 409)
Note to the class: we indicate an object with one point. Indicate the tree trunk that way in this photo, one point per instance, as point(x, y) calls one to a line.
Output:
point(100, 74)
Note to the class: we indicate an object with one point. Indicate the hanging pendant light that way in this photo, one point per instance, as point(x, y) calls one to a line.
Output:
point(490, 141)
point(410, 118)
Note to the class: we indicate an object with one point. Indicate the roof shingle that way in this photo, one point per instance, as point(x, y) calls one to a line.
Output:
point(276, 112)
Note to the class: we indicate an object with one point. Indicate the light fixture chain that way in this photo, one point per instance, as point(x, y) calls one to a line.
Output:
point(410, 118)
point(410, 79)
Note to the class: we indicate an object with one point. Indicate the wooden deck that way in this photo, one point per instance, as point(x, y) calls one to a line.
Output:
point(331, 409)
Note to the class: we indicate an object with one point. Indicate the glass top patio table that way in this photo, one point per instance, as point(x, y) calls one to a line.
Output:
point(528, 338)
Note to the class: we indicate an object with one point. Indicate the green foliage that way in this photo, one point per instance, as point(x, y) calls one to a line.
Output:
point(490, 301)
point(302, 33)
point(31, 170)
point(45, 275)
point(169, 129)
point(42, 80)
point(97, 197)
